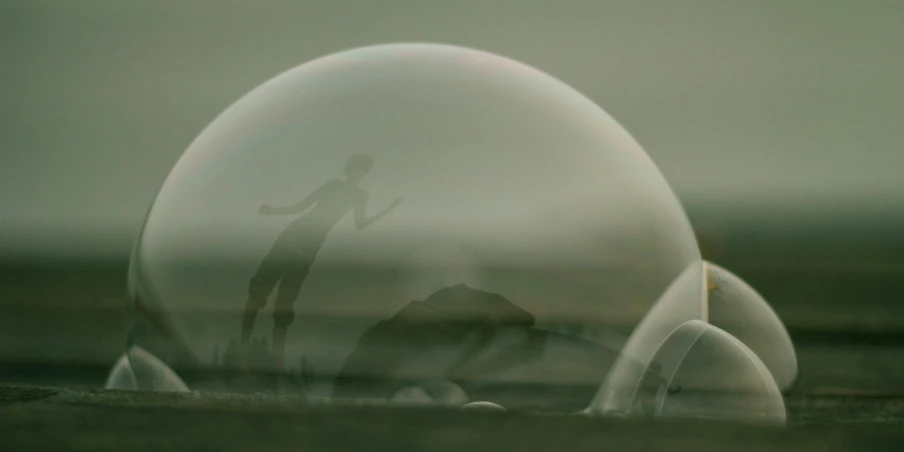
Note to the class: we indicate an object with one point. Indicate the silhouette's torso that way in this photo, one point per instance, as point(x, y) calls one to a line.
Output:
point(334, 200)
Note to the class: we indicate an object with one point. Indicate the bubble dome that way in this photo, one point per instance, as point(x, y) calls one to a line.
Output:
point(741, 311)
point(424, 222)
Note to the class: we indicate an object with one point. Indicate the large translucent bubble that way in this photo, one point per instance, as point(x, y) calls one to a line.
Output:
point(377, 221)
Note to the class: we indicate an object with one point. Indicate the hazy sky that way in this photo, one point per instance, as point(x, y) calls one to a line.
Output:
point(774, 106)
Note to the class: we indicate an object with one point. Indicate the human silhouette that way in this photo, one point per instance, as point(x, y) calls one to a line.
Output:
point(289, 260)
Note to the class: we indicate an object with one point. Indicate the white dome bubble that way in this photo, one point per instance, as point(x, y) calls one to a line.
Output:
point(396, 214)
point(435, 391)
point(121, 375)
point(700, 371)
point(482, 405)
point(713, 375)
point(739, 310)
point(138, 370)
point(681, 302)
point(414, 395)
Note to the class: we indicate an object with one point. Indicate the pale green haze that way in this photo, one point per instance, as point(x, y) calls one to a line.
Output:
point(779, 110)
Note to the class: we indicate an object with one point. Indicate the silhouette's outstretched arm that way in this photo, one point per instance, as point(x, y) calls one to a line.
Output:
point(362, 220)
point(296, 208)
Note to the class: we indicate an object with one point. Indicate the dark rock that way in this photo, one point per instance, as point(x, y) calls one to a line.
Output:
point(479, 340)
point(460, 303)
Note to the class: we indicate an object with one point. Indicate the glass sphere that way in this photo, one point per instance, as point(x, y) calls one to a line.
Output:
point(415, 222)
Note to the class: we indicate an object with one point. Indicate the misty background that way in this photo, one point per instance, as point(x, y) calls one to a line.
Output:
point(778, 123)
point(778, 110)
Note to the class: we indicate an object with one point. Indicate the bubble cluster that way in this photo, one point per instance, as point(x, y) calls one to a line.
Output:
point(428, 224)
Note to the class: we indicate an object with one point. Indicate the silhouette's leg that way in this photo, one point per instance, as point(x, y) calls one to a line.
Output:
point(268, 274)
point(283, 311)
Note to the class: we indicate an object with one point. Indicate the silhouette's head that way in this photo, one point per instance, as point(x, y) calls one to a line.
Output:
point(358, 166)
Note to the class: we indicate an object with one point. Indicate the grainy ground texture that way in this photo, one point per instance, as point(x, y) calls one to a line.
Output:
point(62, 326)
point(65, 419)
